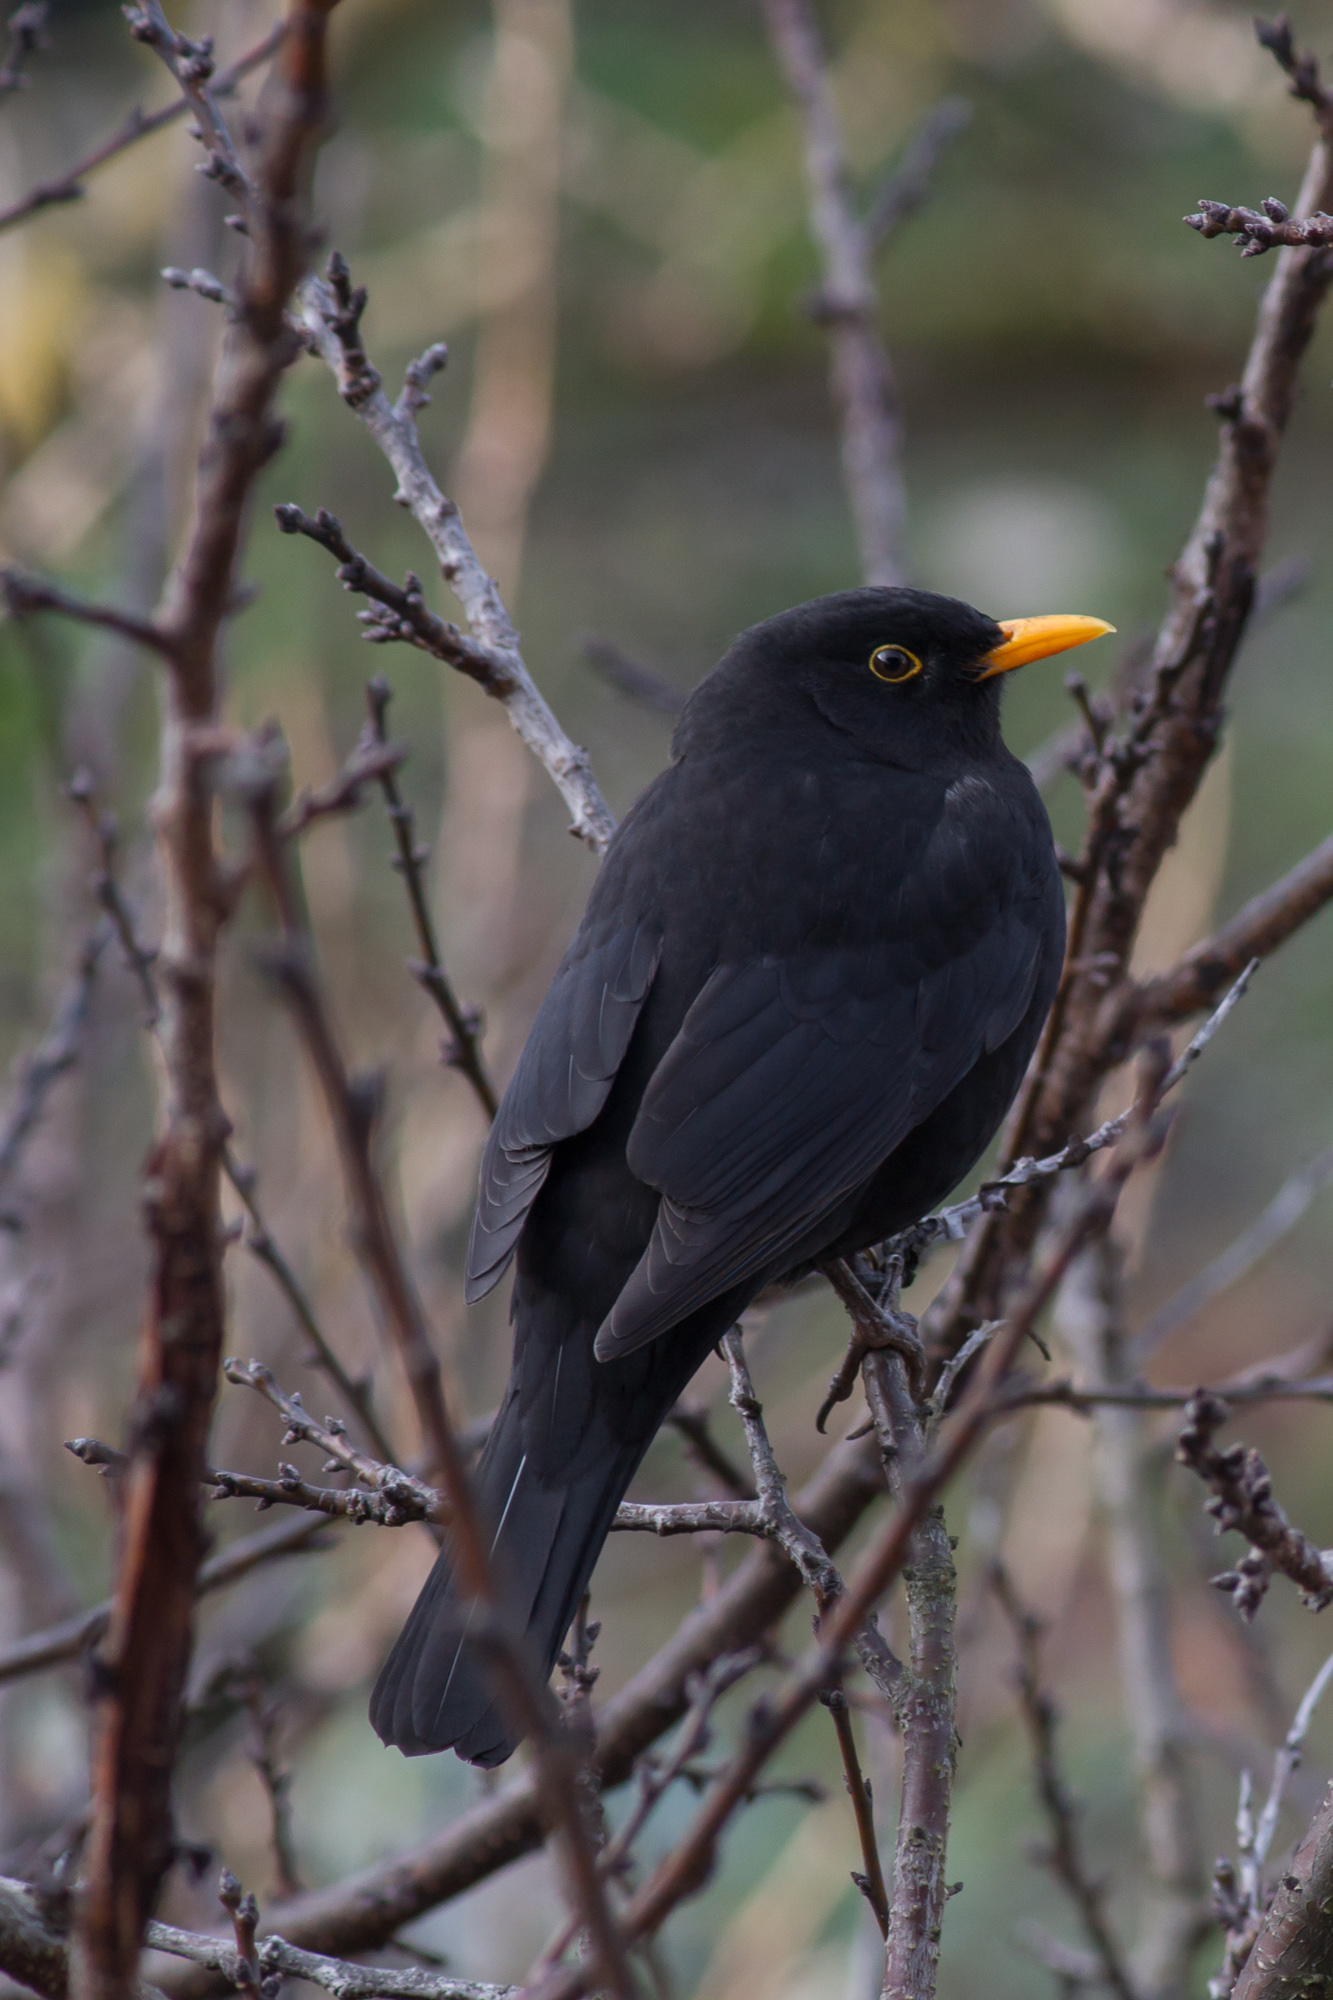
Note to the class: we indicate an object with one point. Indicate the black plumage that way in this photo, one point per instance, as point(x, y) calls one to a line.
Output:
point(810, 975)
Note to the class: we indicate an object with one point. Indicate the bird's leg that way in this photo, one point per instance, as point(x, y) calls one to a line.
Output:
point(875, 1326)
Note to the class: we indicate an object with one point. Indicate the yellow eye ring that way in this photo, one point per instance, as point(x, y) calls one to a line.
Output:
point(894, 664)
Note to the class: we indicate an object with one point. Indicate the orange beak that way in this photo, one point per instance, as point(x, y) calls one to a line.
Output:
point(1036, 638)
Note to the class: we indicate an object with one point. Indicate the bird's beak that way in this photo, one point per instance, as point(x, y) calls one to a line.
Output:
point(1034, 638)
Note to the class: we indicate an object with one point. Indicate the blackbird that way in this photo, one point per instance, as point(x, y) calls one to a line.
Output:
point(807, 983)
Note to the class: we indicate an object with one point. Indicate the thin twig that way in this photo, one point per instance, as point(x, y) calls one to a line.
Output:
point(871, 1882)
point(862, 382)
point(463, 1049)
point(54, 1056)
point(73, 1637)
point(69, 185)
point(393, 426)
point(1239, 1258)
point(1064, 1856)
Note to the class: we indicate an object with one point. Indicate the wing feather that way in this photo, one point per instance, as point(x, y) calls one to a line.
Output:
point(564, 1076)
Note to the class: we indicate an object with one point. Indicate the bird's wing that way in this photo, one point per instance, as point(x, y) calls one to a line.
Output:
point(792, 1079)
point(564, 1076)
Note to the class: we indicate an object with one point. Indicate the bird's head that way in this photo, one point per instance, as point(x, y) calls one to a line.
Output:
point(908, 674)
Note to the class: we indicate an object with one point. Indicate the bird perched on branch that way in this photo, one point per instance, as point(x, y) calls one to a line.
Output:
point(808, 981)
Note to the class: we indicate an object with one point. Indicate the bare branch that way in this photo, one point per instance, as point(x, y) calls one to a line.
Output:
point(405, 1497)
point(74, 1636)
point(1064, 1856)
point(162, 1548)
point(367, 1910)
point(463, 1049)
point(26, 595)
point(54, 1056)
point(907, 185)
point(862, 383)
point(69, 185)
point(262, 1246)
point(1242, 1501)
point(394, 428)
point(1254, 933)
point(34, 1950)
point(871, 1883)
point(1256, 233)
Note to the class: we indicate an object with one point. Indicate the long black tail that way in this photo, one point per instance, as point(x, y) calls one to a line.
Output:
point(434, 1691)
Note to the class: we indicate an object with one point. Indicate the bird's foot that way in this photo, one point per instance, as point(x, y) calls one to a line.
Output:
point(875, 1328)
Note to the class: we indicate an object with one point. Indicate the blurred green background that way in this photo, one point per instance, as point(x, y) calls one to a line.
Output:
point(603, 213)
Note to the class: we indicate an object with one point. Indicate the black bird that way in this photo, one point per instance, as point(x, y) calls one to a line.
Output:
point(808, 980)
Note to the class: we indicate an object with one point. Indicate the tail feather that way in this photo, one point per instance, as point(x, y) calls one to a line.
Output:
point(435, 1689)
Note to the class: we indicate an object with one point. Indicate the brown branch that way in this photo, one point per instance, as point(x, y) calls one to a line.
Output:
point(276, 1780)
point(401, 610)
point(871, 1882)
point(1255, 932)
point(266, 1251)
point(24, 596)
point(463, 1049)
point(139, 959)
point(862, 383)
point(655, 1778)
point(331, 323)
point(1242, 1502)
point(138, 125)
point(73, 1637)
point(147, 1648)
point(1064, 1856)
point(1130, 1469)
point(1257, 233)
point(780, 1521)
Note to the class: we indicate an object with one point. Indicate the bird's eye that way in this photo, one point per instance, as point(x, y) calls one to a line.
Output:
point(894, 663)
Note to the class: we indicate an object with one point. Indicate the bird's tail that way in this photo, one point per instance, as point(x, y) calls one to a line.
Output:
point(434, 1691)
